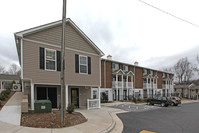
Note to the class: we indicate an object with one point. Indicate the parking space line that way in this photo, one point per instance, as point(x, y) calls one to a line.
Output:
point(145, 131)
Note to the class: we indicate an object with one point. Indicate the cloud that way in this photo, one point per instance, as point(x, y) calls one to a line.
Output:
point(170, 61)
point(8, 52)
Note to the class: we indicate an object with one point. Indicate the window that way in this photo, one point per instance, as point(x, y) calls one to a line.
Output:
point(125, 68)
point(144, 71)
point(115, 66)
point(151, 72)
point(94, 94)
point(83, 65)
point(163, 75)
point(50, 56)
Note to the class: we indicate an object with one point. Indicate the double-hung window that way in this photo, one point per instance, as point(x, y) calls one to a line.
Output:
point(115, 66)
point(125, 68)
point(50, 59)
point(83, 64)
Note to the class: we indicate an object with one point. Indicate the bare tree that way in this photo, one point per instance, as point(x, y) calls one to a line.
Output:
point(183, 70)
point(2, 69)
point(14, 69)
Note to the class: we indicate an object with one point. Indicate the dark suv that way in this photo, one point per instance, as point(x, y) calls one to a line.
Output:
point(163, 101)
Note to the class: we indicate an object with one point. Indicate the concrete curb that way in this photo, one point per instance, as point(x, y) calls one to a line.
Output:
point(111, 127)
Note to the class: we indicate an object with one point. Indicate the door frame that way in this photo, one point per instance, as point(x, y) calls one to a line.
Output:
point(75, 88)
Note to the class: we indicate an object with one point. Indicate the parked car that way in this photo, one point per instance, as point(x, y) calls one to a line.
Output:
point(163, 101)
point(175, 101)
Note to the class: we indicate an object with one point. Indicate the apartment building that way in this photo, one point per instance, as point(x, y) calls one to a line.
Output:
point(39, 56)
point(123, 81)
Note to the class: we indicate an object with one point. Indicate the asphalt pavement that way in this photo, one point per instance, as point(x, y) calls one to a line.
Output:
point(172, 119)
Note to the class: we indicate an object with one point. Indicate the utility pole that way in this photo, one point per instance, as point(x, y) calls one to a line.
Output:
point(63, 89)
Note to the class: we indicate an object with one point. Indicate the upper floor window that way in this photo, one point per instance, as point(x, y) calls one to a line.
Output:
point(151, 72)
point(125, 68)
point(50, 57)
point(83, 65)
point(163, 75)
point(144, 71)
point(115, 66)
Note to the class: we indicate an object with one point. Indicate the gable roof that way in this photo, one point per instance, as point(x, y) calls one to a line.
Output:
point(23, 33)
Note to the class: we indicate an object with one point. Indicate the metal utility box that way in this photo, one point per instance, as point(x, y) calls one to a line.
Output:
point(43, 106)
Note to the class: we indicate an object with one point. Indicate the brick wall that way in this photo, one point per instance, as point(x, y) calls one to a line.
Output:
point(138, 75)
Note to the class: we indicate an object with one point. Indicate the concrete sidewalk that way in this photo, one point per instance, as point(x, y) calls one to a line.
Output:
point(99, 121)
point(11, 111)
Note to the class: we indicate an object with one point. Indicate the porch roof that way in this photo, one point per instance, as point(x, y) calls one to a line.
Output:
point(9, 77)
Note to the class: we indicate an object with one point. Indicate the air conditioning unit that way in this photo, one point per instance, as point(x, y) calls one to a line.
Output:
point(16, 87)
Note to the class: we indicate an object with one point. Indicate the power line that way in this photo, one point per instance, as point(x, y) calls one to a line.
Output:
point(169, 13)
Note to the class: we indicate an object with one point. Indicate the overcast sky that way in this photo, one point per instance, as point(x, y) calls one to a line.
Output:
point(129, 30)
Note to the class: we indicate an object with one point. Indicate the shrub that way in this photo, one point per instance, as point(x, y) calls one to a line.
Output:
point(139, 100)
point(4, 94)
point(104, 98)
point(0, 103)
point(11, 85)
point(7, 91)
point(70, 108)
point(2, 97)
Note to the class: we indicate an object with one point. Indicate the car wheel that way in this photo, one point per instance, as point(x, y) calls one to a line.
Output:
point(162, 104)
point(172, 104)
point(176, 105)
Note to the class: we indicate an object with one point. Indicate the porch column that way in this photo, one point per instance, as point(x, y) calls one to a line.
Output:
point(150, 83)
point(147, 87)
point(99, 96)
point(127, 87)
point(66, 95)
point(122, 88)
point(116, 85)
point(132, 82)
point(32, 96)
point(156, 83)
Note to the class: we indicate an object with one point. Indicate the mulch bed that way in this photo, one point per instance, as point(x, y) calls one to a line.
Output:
point(51, 120)
point(3, 102)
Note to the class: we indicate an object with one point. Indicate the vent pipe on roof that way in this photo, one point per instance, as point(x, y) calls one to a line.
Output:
point(109, 57)
point(136, 63)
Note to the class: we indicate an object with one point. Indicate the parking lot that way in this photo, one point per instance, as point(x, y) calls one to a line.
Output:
point(172, 119)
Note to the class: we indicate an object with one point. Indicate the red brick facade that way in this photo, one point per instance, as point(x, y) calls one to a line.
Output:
point(106, 74)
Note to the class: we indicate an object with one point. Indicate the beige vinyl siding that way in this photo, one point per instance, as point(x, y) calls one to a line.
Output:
point(53, 36)
point(32, 68)
point(84, 94)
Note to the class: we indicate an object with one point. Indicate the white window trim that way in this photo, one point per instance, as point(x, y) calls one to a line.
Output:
point(51, 60)
point(116, 68)
point(124, 68)
point(83, 64)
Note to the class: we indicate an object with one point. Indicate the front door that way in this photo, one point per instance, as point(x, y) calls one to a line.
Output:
point(75, 97)
point(52, 96)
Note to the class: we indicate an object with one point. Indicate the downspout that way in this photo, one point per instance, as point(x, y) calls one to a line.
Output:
point(22, 64)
